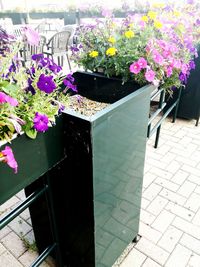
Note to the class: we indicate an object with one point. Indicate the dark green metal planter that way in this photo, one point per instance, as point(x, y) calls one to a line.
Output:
point(97, 189)
point(34, 157)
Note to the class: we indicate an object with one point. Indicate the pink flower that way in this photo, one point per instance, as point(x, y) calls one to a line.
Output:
point(150, 75)
point(9, 158)
point(176, 63)
point(169, 71)
point(135, 68)
point(4, 98)
point(142, 62)
point(184, 68)
point(32, 37)
point(158, 58)
point(107, 13)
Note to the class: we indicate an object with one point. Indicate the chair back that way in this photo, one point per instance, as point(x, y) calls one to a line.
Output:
point(59, 42)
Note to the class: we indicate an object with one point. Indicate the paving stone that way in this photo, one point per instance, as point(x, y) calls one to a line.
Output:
point(134, 259)
point(193, 202)
point(14, 244)
point(144, 203)
point(191, 243)
point(2, 249)
point(29, 256)
point(187, 227)
point(152, 191)
point(186, 189)
point(148, 179)
point(173, 197)
point(179, 256)
point(157, 205)
point(163, 220)
point(4, 208)
point(170, 238)
point(19, 226)
point(161, 173)
point(194, 261)
point(154, 252)
point(3, 232)
point(180, 211)
point(179, 177)
point(150, 263)
point(193, 178)
point(149, 233)
point(167, 184)
point(146, 217)
point(7, 259)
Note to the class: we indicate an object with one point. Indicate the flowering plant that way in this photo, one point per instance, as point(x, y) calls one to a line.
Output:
point(147, 48)
point(30, 97)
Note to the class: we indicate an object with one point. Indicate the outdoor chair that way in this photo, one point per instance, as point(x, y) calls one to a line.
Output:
point(57, 48)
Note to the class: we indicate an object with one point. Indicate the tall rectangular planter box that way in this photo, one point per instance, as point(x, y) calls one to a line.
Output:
point(34, 157)
point(97, 189)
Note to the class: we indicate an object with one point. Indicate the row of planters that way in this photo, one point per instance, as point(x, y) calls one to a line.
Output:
point(94, 162)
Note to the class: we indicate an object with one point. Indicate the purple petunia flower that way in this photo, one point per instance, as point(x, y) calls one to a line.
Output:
point(183, 78)
point(68, 84)
point(55, 68)
point(30, 88)
point(37, 57)
point(192, 65)
point(46, 84)
point(70, 78)
point(40, 122)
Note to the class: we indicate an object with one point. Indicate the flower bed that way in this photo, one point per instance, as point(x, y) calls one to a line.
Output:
point(30, 97)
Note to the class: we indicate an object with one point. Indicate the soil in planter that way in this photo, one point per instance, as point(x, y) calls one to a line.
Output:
point(85, 106)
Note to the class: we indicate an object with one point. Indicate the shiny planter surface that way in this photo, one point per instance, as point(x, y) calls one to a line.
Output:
point(34, 157)
point(97, 204)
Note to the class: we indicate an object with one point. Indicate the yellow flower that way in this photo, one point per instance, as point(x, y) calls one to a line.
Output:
point(152, 15)
point(145, 18)
point(111, 40)
point(159, 5)
point(130, 25)
point(158, 24)
point(129, 34)
point(177, 13)
point(94, 53)
point(111, 51)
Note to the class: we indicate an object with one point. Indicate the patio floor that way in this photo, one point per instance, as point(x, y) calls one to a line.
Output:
point(170, 215)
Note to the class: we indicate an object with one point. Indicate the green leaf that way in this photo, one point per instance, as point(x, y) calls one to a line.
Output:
point(10, 89)
point(32, 133)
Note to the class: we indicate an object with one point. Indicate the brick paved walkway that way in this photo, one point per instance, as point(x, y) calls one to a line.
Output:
point(170, 216)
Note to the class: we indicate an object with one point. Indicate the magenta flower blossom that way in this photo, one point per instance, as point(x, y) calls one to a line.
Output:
point(158, 58)
point(32, 37)
point(4, 98)
point(46, 84)
point(9, 158)
point(169, 71)
point(40, 122)
point(142, 62)
point(135, 68)
point(184, 68)
point(149, 75)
